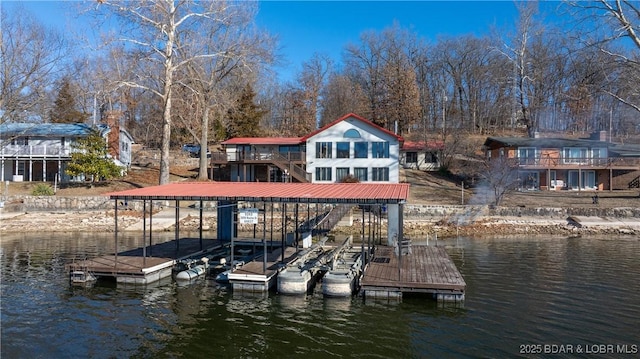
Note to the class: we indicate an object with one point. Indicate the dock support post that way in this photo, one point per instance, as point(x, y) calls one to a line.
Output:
point(297, 232)
point(150, 227)
point(115, 263)
point(144, 231)
point(200, 224)
point(264, 236)
point(177, 234)
point(362, 257)
point(284, 227)
point(271, 226)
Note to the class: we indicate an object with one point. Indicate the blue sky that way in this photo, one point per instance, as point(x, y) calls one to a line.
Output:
point(305, 27)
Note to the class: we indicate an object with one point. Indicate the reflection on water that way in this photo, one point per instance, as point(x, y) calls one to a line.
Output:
point(520, 291)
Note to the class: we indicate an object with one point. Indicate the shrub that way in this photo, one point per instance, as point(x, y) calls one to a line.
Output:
point(43, 190)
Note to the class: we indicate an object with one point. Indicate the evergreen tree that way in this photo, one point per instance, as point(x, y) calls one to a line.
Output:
point(64, 108)
point(90, 158)
point(244, 117)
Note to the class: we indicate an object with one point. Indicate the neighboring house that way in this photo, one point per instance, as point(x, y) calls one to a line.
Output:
point(41, 151)
point(571, 164)
point(421, 155)
point(349, 146)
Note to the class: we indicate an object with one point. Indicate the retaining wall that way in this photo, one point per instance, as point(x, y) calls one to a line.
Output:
point(411, 211)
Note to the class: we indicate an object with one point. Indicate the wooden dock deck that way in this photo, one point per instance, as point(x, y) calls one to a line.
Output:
point(252, 277)
point(426, 269)
point(132, 267)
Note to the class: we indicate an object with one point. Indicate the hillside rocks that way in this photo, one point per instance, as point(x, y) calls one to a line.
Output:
point(419, 221)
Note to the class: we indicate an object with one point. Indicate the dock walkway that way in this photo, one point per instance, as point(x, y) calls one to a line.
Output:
point(427, 269)
point(252, 276)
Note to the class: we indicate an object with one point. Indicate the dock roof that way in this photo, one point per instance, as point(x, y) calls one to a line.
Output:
point(356, 193)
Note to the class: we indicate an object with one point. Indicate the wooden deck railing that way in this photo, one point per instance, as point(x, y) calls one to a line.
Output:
point(285, 161)
point(559, 162)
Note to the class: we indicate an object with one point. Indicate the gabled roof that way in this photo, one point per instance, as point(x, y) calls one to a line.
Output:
point(422, 145)
point(352, 115)
point(494, 142)
point(263, 141)
point(369, 193)
point(45, 129)
point(619, 149)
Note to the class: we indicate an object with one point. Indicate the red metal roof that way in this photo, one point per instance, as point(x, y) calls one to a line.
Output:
point(362, 119)
point(422, 145)
point(263, 141)
point(359, 193)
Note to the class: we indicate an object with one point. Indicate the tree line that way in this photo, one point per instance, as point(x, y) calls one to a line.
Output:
point(192, 71)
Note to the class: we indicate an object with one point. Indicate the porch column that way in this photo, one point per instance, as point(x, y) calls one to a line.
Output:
point(2, 170)
point(610, 179)
point(30, 170)
point(393, 223)
point(44, 170)
point(59, 170)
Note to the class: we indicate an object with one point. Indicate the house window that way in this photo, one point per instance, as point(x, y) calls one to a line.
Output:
point(380, 149)
point(380, 174)
point(529, 180)
point(575, 154)
point(599, 156)
point(20, 141)
point(323, 174)
point(286, 149)
point(360, 149)
point(20, 165)
point(323, 149)
point(527, 155)
point(351, 133)
point(582, 180)
point(342, 150)
point(360, 173)
point(412, 157)
point(63, 141)
point(341, 173)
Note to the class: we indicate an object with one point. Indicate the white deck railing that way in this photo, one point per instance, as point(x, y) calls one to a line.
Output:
point(55, 151)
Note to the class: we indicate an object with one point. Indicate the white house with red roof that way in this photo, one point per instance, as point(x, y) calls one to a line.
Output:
point(350, 146)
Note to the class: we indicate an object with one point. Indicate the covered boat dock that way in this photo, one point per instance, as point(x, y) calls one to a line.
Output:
point(233, 197)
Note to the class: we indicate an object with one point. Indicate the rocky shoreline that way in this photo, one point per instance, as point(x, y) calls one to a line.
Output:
point(482, 226)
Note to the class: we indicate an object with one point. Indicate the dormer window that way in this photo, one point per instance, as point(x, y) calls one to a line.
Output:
point(352, 133)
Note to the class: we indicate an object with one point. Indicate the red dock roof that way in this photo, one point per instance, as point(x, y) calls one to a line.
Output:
point(357, 193)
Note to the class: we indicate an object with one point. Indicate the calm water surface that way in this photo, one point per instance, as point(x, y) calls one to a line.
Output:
point(520, 291)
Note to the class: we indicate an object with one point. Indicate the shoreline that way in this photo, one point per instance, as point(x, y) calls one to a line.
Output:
point(482, 226)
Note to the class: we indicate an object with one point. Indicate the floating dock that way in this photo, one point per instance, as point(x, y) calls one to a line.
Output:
point(258, 276)
point(142, 267)
point(424, 269)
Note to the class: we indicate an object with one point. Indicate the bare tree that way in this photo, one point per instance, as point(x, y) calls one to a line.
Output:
point(312, 79)
point(238, 53)
point(499, 176)
point(31, 57)
point(155, 32)
point(339, 97)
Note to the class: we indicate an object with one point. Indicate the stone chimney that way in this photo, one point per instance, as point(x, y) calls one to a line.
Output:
point(600, 136)
point(112, 119)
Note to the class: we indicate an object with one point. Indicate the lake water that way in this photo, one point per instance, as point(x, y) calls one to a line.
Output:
point(540, 295)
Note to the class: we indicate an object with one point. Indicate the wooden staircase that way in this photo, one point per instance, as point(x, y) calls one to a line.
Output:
point(294, 170)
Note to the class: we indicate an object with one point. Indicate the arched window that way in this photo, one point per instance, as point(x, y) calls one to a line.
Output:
point(351, 133)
